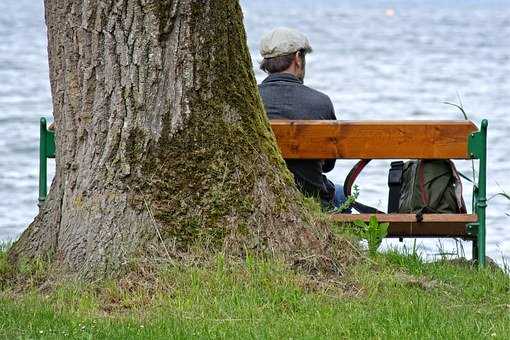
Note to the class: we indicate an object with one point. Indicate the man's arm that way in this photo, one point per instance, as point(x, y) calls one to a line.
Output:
point(329, 164)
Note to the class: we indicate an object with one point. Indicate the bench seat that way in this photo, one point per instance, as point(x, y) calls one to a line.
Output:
point(405, 225)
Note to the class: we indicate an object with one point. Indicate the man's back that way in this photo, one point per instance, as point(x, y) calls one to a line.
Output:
point(285, 97)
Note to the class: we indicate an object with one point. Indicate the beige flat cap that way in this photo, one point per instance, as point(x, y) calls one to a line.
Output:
point(283, 41)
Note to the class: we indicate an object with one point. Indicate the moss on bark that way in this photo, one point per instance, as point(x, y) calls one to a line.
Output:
point(208, 171)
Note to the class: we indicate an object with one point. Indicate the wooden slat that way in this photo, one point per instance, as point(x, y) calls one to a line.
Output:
point(405, 225)
point(320, 139)
point(445, 218)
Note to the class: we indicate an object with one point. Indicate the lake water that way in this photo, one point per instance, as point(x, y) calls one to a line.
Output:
point(375, 59)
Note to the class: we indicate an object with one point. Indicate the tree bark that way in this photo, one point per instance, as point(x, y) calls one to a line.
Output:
point(162, 141)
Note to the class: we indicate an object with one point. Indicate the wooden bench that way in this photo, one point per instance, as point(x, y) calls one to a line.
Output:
point(374, 140)
point(310, 139)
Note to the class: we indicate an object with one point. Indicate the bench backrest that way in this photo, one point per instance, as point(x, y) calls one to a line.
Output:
point(368, 140)
point(395, 140)
point(321, 139)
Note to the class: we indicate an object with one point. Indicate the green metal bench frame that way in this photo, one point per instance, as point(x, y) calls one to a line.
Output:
point(477, 147)
point(46, 150)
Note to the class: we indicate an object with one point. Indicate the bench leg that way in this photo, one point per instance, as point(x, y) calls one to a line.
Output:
point(475, 250)
point(477, 232)
point(478, 149)
point(481, 199)
point(480, 240)
point(43, 186)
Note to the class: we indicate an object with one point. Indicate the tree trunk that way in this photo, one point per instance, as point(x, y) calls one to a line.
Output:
point(162, 140)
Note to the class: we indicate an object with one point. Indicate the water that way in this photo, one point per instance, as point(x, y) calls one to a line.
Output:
point(372, 65)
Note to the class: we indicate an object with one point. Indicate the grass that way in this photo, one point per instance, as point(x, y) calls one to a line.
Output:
point(393, 295)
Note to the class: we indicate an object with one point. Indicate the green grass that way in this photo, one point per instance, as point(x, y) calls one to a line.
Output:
point(392, 296)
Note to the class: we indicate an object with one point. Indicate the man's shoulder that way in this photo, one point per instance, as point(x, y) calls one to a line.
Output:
point(287, 98)
point(320, 96)
point(321, 103)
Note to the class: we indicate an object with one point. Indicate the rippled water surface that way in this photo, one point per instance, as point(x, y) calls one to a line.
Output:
point(372, 64)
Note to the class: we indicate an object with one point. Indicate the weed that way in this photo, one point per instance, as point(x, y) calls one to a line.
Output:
point(460, 106)
point(348, 202)
point(373, 231)
point(503, 194)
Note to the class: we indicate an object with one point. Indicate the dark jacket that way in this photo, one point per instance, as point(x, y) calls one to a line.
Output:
point(285, 97)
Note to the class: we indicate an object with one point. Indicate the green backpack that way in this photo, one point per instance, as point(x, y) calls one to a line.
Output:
point(431, 186)
point(417, 186)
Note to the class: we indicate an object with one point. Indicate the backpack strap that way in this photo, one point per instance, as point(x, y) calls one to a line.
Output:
point(395, 186)
point(458, 189)
point(353, 174)
point(349, 182)
point(466, 178)
point(425, 199)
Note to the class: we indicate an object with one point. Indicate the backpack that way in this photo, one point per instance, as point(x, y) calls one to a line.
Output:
point(417, 186)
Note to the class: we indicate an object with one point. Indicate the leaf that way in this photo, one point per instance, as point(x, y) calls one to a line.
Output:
point(460, 107)
point(360, 224)
point(384, 229)
point(502, 194)
point(373, 221)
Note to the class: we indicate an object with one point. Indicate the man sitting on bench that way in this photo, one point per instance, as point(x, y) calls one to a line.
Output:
point(285, 97)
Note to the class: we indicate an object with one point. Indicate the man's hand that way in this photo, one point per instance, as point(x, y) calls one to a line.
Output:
point(328, 165)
